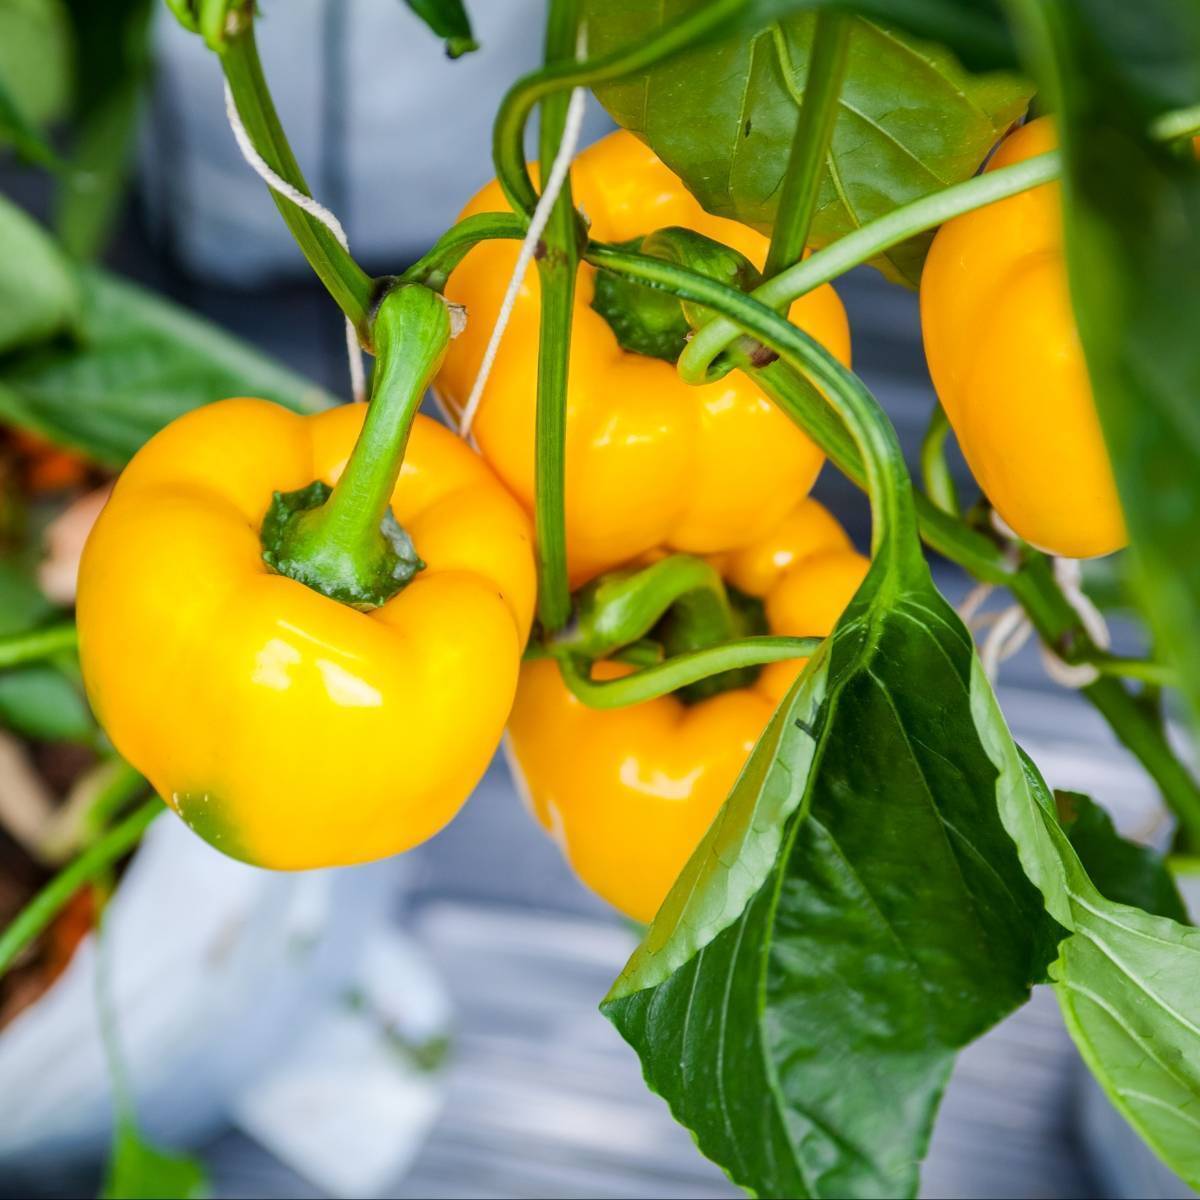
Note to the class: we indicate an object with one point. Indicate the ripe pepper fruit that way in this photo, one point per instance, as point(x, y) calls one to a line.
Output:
point(629, 792)
point(1005, 358)
point(651, 461)
point(288, 729)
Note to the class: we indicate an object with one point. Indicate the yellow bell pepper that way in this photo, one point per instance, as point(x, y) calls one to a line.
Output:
point(650, 460)
point(629, 792)
point(288, 729)
point(1006, 362)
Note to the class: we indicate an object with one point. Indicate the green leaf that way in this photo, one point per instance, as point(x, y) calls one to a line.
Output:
point(39, 701)
point(1126, 980)
point(1133, 257)
point(109, 85)
point(39, 292)
point(856, 915)
point(911, 119)
point(142, 362)
point(449, 20)
point(1122, 870)
point(140, 1171)
point(36, 60)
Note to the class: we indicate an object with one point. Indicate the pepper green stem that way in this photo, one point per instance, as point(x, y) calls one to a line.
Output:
point(939, 483)
point(680, 671)
point(349, 547)
point(621, 607)
point(94, 861)
point(350, 286)
point(557, 269)
point(19, 648)
point(810, 143)
point(434, 267)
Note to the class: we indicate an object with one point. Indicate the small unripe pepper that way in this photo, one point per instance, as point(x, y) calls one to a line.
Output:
point(651, 461)
point(629, 792)
point(1006, 361)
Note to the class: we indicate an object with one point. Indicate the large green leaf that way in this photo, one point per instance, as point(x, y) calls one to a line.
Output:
point(142, 362)
point(39, 292)
point(1126, 980)
point(856, 915)
point(911, 120)
point(1133, 254)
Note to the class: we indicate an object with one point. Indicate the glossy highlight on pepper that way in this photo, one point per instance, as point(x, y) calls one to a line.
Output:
point(629, 792)
point(651, 461)
point(1005, 358)
point(289, 730)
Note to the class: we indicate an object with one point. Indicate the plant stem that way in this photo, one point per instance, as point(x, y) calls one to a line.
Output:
point(340, 548)
point(1158, 674)
point(434, 267)
point(350, 286)
point(508, 131)
point(97, 858)
point(939, 483)
point(557, 268)
point(679, 671)
point(810, 142)
point(20, 648)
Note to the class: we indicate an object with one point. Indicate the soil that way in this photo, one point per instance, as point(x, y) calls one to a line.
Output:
point(45, 959)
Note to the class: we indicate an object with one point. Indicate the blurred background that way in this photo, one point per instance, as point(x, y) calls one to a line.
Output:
point(429, 1026)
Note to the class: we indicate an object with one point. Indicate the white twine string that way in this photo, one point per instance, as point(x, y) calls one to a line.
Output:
point(358, 381)
point(1011, 628)
point(537, 225)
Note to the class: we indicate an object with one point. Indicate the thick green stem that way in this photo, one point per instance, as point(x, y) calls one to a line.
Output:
point(95, 860)
point(680, 671)
point(348, 547)
point(810, 143)
point(350, 286)
point(939, 483)
point(19, 648)
point(508, 131)
point(557, 268)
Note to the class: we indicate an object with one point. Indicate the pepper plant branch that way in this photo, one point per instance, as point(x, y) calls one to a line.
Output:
point(351, 288)
point(19, 648)
point(935, 472)
point(810, 142)
point(557, 269)
point(94, 861)
point(434, 267)
point(679, 671)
